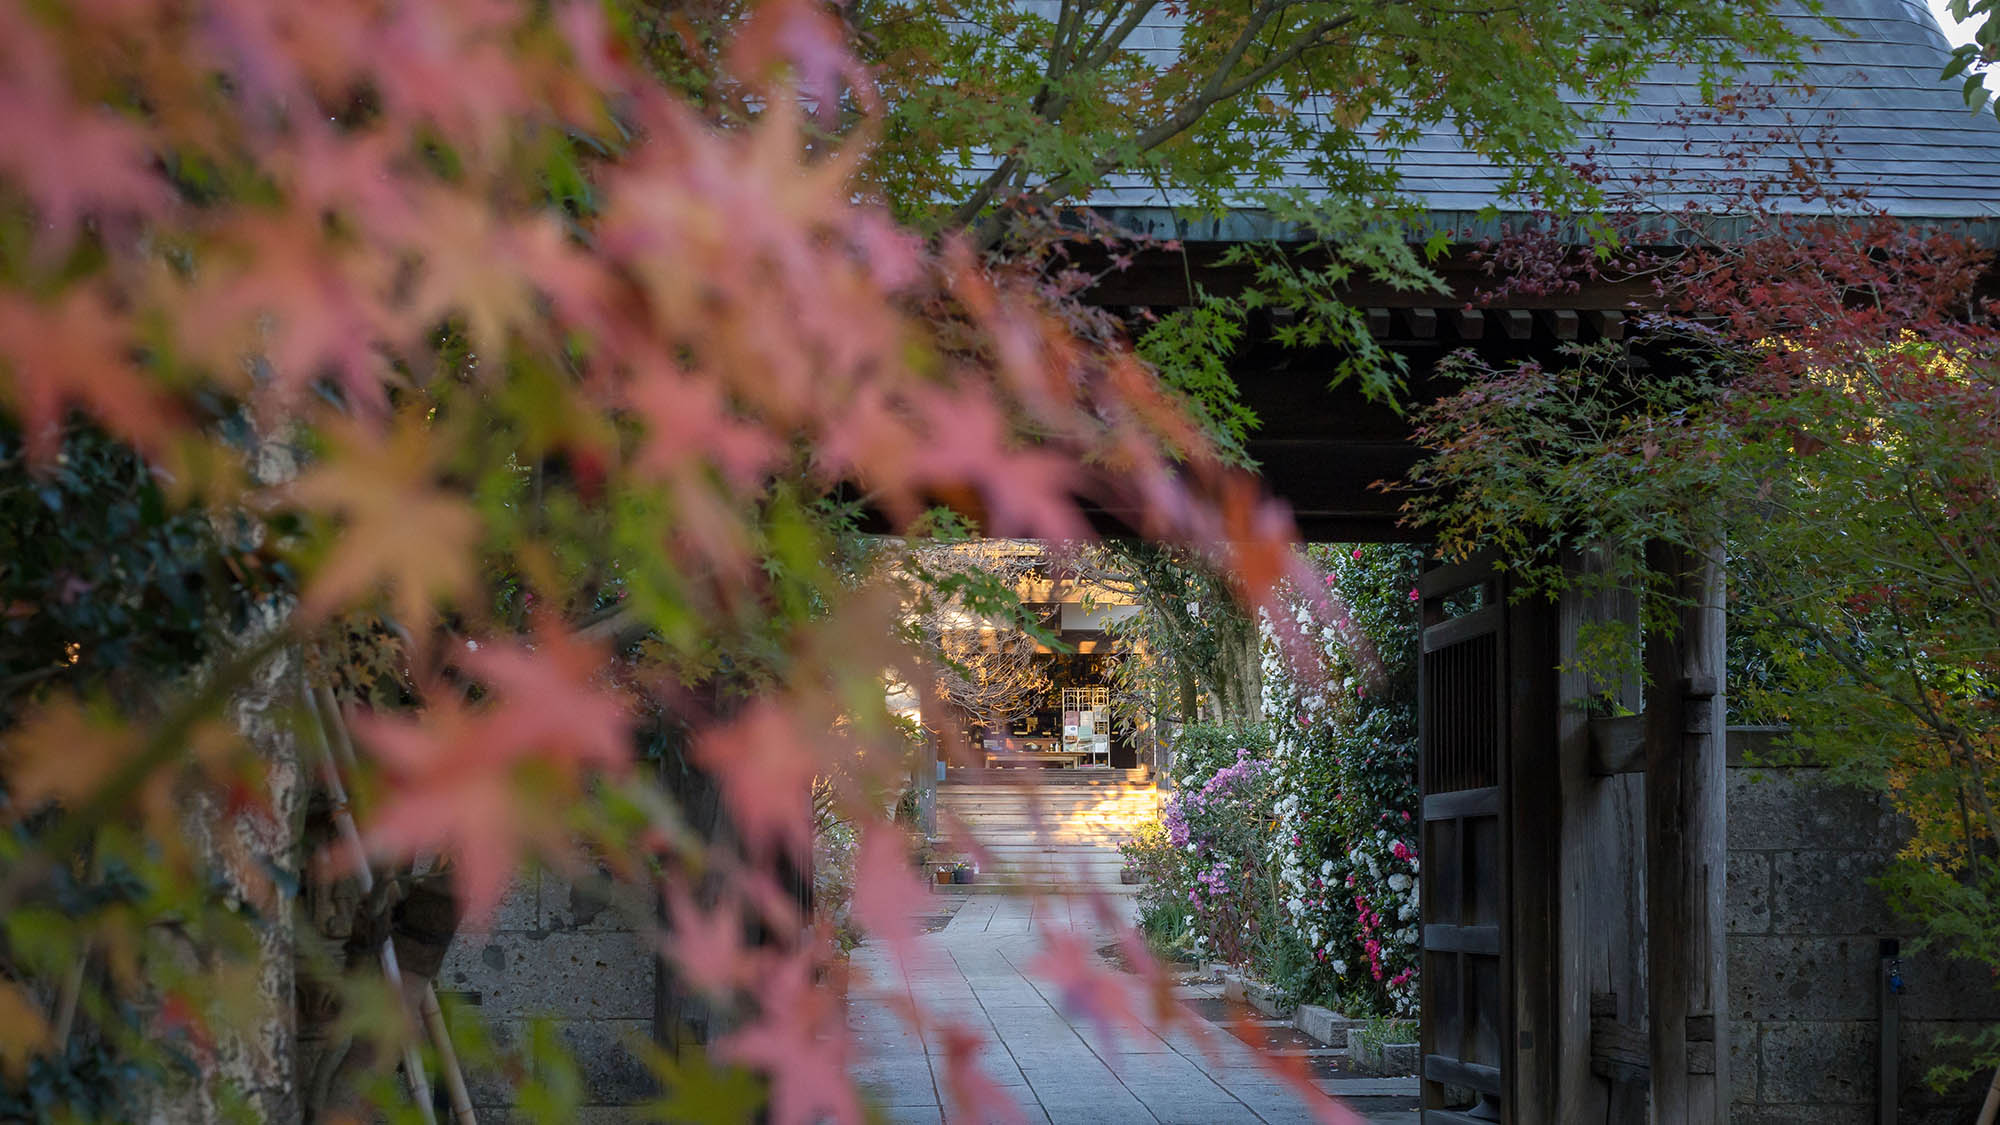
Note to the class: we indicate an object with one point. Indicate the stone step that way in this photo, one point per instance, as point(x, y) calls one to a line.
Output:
point(1053, 833)
point(973, 775)
point(1146, 808)
point(1022, 817)
point(1051, 849)
point(1050, 801)
point(1024, 798)
point(1028, 813)
point(1088, 867)
point(1030, 833)
point(1046, 816)
point(1043, 889)
point(1064, 792)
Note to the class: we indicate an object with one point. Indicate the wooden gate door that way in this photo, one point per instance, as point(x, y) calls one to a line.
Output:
point(1464, 770)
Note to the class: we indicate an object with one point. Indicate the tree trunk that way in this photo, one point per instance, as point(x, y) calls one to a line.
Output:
point(257, 1061)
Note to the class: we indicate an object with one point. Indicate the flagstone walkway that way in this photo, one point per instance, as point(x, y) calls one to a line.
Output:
point(1057, 1064)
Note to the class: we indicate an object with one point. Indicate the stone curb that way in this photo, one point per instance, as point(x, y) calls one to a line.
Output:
point(1322, 1024)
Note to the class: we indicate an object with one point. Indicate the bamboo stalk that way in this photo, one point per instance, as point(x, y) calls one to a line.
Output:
point(433, 1014)
point(72, 988)
point(1991, 1109)
point(364, 878)
point(454, 1077)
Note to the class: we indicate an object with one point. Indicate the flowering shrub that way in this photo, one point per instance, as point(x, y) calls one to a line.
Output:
point(1164, 875)
point(1224, 828)
point(835, 847)
point(1291, 849)
point(1208, 888)
point(1344, 787)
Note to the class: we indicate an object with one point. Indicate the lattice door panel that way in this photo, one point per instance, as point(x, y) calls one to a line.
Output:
point(1463, 765)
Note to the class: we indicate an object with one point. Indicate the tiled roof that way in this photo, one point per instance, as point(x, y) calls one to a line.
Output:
point(1902, 137)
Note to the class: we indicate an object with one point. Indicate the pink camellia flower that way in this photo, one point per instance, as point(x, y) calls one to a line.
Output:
point(1406, 817)
point(1413, 593)
point(1402, 850)
point(1357, 552)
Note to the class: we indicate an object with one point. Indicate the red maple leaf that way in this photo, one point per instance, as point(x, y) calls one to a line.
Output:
point(800, 1040)
point(765, 766)
point(486, 784)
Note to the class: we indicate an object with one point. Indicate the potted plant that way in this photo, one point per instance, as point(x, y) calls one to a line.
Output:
point(962, 872)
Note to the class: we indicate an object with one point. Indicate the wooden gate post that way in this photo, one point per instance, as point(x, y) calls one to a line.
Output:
point(1687, 846)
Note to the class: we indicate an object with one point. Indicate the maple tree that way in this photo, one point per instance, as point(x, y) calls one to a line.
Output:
point(462, 319)
point(1821, 393)
point(513, 379)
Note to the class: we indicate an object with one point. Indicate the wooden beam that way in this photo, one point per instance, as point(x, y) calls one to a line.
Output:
point(1470, 324)
point(1618, 745)
point(1423, 323)
point(1687, 847)
point(1617, 1052)
point(1378, 322)
point(1609, 324)
point(1520, 323)
point(1564, 323)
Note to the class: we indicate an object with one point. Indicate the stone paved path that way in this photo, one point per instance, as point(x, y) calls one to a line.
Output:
point(1060, 1066)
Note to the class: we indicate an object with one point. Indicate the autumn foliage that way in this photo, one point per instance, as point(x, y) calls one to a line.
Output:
point(538, 401)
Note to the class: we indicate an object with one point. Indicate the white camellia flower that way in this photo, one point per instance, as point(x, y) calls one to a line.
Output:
point(1326, 868)
point(1340, 968)
point(1297, 906)
point(1399, 882)
point(1194, 609)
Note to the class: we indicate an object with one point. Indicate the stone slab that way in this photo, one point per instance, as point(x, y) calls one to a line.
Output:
point(1830, 892)
point(607, 1057)
point(1773, 810)
point(1323, 1024)
point(576, 975)
point(1825, 1063)
point(1370, 1087)
point(1802, 978)
point(1747, 907)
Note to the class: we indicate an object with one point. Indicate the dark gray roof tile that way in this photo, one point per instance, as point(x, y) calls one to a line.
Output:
point(1903, 138)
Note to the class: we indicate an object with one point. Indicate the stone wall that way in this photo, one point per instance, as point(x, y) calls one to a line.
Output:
point(550, 951)
point(1805, 927)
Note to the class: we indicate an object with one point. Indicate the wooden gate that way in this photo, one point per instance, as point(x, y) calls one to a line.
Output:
point(1464, 769)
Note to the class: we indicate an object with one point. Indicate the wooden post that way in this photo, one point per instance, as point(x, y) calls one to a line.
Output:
point(1687, 846)
point(1601, 908)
